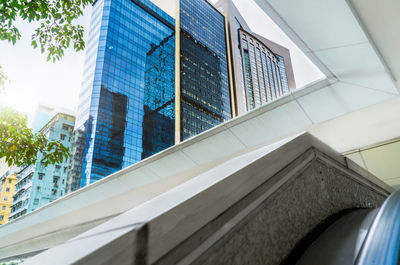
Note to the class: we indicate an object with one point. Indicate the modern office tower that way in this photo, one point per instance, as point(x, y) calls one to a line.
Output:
point(37, 184)
point(204, 87)
point(148, 82)
point(7, 189)
point(124, 39)
point(262, 69)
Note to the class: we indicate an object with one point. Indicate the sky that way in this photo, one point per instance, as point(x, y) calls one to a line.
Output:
point(35, 81)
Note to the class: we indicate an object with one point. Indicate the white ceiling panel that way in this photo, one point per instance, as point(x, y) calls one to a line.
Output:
point(382, 22)
point(322, 24)
point(358, 64)
point(338, 99)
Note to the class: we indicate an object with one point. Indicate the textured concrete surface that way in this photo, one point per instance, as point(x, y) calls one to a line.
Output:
point(252, 209)
point(270, 232)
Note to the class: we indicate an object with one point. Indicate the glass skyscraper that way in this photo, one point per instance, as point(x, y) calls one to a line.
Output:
point(130, 55)
point(205, 88)
point(128, 107)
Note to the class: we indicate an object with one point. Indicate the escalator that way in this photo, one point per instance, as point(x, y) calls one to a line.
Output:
point(361, 237)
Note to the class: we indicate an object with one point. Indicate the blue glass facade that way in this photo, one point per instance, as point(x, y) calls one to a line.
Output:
point(159, 98)
point(205, 91)
point(127, 103)
point(123, 91)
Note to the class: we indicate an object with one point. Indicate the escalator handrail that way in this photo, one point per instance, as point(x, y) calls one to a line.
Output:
point(382, 244)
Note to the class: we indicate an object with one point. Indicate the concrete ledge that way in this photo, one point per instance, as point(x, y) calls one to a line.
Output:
point(294, 180)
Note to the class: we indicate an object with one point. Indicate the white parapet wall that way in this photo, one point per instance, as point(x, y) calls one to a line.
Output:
point(240, 212)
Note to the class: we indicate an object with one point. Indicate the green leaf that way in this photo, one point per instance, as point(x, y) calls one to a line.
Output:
point(20, 146)
point(56, 19)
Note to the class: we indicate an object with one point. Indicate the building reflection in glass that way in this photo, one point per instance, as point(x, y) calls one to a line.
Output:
point(159, 98)
point(109, 150)
point(123, 38)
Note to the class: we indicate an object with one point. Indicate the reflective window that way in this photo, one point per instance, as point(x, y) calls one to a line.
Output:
point(205, 95)
point(159, 98)
point(127, 95)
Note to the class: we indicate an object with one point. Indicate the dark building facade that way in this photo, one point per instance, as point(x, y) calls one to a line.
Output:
point(204, 74)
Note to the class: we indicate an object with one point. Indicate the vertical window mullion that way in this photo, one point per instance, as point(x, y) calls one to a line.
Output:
point(271, 78)
point(261, 77)
point(248, 74)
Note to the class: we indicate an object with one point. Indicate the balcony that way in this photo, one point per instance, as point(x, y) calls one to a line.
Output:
point(25, 173)
point(18, 194)
point(24, 186)
point(21, 198)
point(19, 210)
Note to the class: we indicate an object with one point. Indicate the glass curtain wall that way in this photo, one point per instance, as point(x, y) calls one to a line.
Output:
point(205, 92)
point(128, 86)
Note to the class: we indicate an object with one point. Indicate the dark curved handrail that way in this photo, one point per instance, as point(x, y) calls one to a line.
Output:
point(382, 244)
